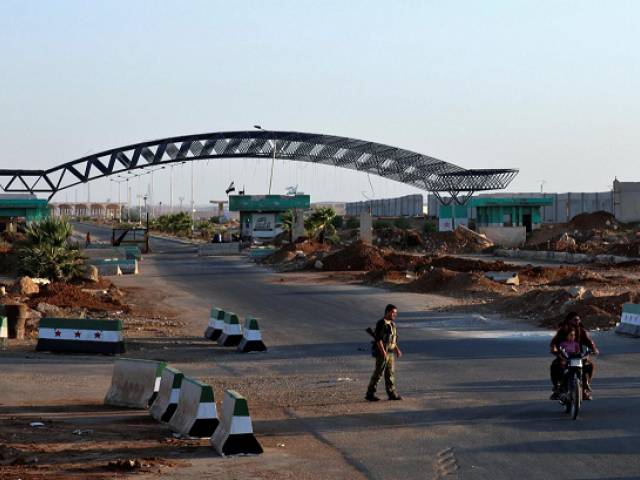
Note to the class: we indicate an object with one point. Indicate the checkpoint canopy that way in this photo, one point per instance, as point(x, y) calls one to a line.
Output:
point(14, 208)
point(261, 215)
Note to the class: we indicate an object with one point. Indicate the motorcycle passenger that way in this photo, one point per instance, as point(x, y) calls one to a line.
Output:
point(569, 346)
point(572, 321)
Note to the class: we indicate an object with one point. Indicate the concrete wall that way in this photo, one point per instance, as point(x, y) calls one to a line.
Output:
point(506, 236)
point(627, 201)
point(218, 249)
point(577, 203)
point(407, 206)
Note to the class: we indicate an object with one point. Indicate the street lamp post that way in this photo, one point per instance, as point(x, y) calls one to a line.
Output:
point(181, 199)
point(275, 148)
point(119, 197)
point(140, 209)
point(153, 196)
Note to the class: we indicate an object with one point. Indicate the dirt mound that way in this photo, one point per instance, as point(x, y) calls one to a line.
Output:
point(288, 252)
point(378, 277)
point(357, 256)
point(66, 295)
point(596, 313)
point(5, 264)
point(626, 249)
point(451, 242)
point(469, 265)
point(537, 304)
point(581, 277)
point(443, 280)
point(543, 275)
point(592, 221)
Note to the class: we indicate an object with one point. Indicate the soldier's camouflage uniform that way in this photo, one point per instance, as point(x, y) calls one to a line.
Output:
point(389, 336)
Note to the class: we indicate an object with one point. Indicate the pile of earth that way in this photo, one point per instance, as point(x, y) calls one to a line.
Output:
point(584, 277)
point(452, 241)
point(438, 280)
point(599, 220)
point(626, 249)
point(595, 313)
point(288, 252)
point(378, 277)
point(543, 275)
point(469, 265)
point(537, 304)
point(398, 238)
point(361, 257)
point(66, 295)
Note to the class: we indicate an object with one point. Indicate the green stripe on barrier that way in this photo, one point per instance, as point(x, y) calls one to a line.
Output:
point(217, 314)
point(241, 407)
point(207, 390)
point(81, 324)
point(251, 324)
point(231, 318)
point(177, 376)
point(631, 308)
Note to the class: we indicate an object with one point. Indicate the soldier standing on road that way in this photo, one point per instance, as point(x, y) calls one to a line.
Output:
point(386, 341)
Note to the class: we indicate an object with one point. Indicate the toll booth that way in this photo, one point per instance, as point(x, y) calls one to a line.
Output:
point(17, 208)
point(261, 215)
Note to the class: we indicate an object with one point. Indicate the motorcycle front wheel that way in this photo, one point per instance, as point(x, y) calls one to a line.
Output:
point(576, 398)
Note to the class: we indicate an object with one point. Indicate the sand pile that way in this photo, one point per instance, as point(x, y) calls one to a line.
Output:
point(70, 296)
point(440, 280)
point(451, 242)
point(361, 257)
point(599, 220)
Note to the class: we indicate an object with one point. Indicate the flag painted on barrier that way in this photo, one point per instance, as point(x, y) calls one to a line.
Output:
point(76, 335)
point(4, 328)
point(630, 314)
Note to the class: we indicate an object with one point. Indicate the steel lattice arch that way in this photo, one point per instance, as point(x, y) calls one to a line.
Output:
point(415, 169)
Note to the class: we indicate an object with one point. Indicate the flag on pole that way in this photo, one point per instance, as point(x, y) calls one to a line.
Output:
point(291, 191)
point(232, 188)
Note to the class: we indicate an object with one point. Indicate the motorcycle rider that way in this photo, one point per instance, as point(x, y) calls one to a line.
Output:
point(572, 322)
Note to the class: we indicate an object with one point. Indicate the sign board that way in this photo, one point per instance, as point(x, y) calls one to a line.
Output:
point(264, 224)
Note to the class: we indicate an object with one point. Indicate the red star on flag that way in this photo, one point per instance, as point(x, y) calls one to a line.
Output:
point(57, 333)
point(77, 334)
point(96, 335)
point(447, 224)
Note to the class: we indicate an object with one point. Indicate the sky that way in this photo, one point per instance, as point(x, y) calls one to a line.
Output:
point(548, 87)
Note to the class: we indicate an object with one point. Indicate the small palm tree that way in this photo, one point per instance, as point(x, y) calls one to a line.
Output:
point(45, 252)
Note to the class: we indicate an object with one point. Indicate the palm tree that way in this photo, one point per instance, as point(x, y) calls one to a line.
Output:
point(45, 252)
point(319, 221)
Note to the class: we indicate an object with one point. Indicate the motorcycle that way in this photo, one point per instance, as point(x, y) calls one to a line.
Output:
point(572, 380)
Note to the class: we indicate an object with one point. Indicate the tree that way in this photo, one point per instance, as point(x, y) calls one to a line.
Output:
point(287, 220)
point(45, 252)
point(319, 220)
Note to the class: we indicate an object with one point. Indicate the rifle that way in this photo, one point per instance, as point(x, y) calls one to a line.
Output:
point(370, 332)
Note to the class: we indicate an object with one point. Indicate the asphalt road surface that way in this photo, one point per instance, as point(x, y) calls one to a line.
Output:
point(476, 389)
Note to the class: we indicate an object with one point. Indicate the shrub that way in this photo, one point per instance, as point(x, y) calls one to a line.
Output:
point(429, 227)
point(402, 223)
point(353, 222)
point(337, 221)
point(381, 224)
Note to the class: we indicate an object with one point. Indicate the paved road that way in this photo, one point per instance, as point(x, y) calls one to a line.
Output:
point(475, 389)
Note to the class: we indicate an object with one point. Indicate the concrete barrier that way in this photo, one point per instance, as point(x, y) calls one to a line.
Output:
point(80, 335)
point(234, 435)
point(166, 402)
point(4, 332)
point(232, 332)
point(251, 337)
point(108, 270)
point(507, 278)
point(135, 383)
point(216, 324)
point(562, 257)
point(218, 249)
point(196, 414)
point(126, 266)
point(629, 320)
point(104, 253)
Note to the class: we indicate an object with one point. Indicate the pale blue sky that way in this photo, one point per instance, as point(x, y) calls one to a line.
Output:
point(550, 87)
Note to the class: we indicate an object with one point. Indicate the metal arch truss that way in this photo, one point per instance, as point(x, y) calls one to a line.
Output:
point(420, 171)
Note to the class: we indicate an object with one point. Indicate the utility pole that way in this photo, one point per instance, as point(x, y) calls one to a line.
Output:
point(181, 199)
point(140, 209)
point(275, 149)
point(193, 206)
